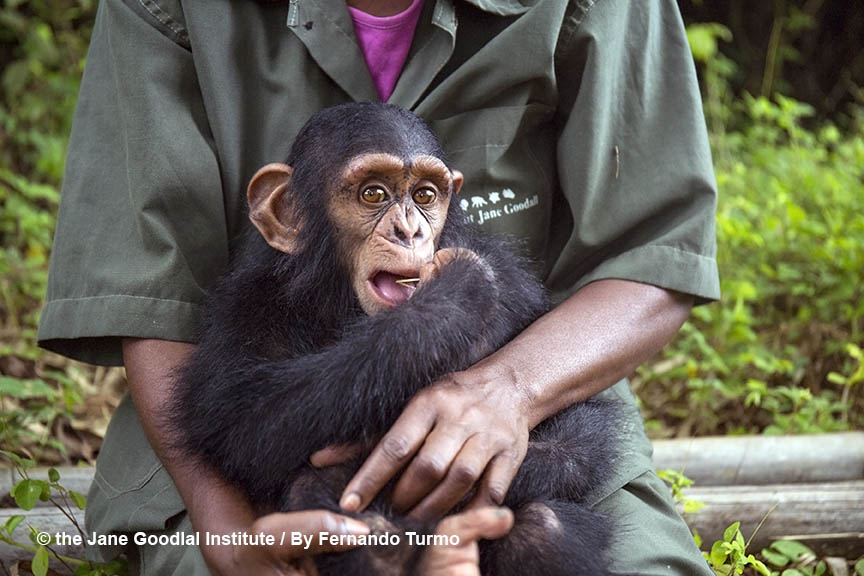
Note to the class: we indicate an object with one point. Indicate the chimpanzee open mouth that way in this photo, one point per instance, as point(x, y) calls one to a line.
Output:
point(392, 288)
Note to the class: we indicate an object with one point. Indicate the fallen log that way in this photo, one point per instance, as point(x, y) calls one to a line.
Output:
point(755, 460)
point(828, 517)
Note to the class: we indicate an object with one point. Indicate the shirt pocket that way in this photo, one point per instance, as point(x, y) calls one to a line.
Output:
point(507, 155)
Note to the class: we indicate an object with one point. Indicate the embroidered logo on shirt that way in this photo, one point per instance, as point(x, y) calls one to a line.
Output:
point(496, 204)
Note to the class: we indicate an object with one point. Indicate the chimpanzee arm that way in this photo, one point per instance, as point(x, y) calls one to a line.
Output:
point(272, 414)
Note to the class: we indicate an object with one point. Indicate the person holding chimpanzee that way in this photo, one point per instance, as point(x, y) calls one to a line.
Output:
point(578, 129)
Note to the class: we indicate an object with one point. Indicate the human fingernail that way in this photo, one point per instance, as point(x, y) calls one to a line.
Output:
point(356, 527)
point(350, 503)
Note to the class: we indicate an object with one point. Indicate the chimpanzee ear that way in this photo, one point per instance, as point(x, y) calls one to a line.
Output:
point(269, 211)
point(457, 181)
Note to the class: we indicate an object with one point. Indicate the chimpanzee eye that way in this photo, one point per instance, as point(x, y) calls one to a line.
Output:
point(424, 196)
point(374, 194)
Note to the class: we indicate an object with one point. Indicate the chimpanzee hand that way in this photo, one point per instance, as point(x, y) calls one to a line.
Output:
point(444, 257)
point(463, 427)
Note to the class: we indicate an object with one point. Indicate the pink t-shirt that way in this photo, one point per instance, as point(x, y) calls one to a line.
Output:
point(385, 43)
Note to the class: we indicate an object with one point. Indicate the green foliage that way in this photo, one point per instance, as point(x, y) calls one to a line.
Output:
point(802, 48)
point(45, 43)
point(795, 558)
point(677, 481)
point(26, 493)
point(729, 556)
point(782, 352)
point(40, 81)
point(31, 405)
point(42, 48)
point(705, 40)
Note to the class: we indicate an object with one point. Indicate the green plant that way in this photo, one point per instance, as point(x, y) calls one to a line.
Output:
point(677, 481)
point(778, 354)
point(26, 493)
point(31, 405)
point(729, 555)
point(796, 559)
point(43, 44)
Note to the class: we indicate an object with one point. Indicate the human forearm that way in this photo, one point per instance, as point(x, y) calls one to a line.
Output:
point(476, 422)
point(597, 336)
point(150, 365)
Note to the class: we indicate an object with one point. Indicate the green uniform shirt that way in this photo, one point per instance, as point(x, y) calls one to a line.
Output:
point(578, 126)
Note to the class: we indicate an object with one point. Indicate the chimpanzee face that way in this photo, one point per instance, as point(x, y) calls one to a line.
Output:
point(388, 214)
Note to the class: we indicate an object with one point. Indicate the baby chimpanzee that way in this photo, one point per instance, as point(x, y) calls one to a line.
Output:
point(318, 336)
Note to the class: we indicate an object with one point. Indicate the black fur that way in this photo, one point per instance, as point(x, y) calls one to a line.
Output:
point(287, 364)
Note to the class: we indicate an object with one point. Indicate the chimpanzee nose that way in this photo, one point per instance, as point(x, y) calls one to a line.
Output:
point(407, 227)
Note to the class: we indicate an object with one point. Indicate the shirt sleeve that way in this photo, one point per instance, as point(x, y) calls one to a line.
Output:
point(633, 156)
point(141, 229)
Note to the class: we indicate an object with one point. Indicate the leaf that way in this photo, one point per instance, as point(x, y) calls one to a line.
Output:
point(45, 490)
point(703, 39)
point(39, 566)
point(28, 388)
point(775, 558)
point(79, 499)
point(757, 565)
point(23, 463)
point(13, 523)
point(859, 568)
point(730, 532)
point(53, 475)
point(718, 554)
point(791, 549)
point(26, 493)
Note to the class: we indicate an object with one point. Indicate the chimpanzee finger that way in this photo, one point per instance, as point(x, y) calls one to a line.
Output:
point(391, 454)
point(496, 481)
point(427, 272)
point(429, 466)
point(466, 469)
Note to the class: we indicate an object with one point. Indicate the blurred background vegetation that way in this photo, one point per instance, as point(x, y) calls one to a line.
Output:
point(782, 353)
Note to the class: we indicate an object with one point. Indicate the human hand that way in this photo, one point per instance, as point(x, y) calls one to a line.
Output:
point(460, 429)
point(283, 559)
point(469, 526)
